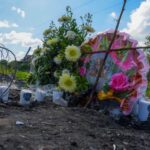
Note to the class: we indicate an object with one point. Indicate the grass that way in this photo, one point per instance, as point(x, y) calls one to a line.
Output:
point(20, 75)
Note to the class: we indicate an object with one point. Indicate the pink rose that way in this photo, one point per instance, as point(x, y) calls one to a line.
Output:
point(119, 82)
point(82, 71)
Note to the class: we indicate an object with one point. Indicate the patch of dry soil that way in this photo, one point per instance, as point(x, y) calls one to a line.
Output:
point(50, 127)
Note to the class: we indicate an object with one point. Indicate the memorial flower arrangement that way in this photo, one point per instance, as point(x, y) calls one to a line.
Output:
point(63, 61)
point(124, 78)
point(59, 60)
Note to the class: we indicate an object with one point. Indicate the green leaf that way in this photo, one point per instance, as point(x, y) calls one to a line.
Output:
point(106, 87)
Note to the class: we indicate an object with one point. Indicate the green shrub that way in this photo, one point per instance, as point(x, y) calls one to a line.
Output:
point(21, 75)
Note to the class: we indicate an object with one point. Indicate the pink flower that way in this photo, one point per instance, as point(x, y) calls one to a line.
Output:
point(86, 60)
point(82, 71)
point(119, 82)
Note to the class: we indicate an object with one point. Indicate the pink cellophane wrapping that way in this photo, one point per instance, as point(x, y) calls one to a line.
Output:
point(125, 61)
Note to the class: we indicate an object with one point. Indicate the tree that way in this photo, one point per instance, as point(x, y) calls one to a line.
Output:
point(3, 63)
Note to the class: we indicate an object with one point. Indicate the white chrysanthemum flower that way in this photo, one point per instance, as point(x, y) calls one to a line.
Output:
point(71, 35)
point(72, 53)
point(67, 83)
point(89, 29)
point(65, 71)
point(56, 74)
point(33, 61)
point(45, 49)
point(64, 18)
point(52, 41)
point(58, 59)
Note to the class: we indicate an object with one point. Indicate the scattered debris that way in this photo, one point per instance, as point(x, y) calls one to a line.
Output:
point(18, 123)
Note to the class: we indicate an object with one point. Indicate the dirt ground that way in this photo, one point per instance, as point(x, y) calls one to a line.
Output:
point(51, 127)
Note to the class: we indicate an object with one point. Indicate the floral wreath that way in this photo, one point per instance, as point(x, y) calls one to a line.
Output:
point(128, 81)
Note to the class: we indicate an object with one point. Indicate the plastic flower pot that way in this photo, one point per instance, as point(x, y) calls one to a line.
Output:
point(4, 93)
point(57, 98)
point(40, 95)
point(57, 95)
point(49, 88)
point(25, 97)
point(135, 110)
point(144, 109)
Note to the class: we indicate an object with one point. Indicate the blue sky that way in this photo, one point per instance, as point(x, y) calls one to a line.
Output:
point(22, 22)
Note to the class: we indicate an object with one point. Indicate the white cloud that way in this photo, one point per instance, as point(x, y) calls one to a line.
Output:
point(7, 24)
point(113, 15)
point(15, 25)
point(139, 25)
point(19, 11)
point(25, 39)
point(31, 29)
point(20, 55)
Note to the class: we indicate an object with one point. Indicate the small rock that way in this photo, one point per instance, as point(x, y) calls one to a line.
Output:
point(92, 148)
point(118, 134)
point(114, 147)
point(108, 132)
point(19, 123)
point(125, 143)
point(20, 147)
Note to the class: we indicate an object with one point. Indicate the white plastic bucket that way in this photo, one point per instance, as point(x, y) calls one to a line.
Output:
point(4, 93)
point(57, 98)
point(144, 109)
point(135, 110)
point(40, 95)
point(57, 95)
point(25, 97)
point(49, 89)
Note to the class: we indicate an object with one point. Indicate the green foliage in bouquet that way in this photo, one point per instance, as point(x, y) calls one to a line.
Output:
point(59, 60)
point(147, 43)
